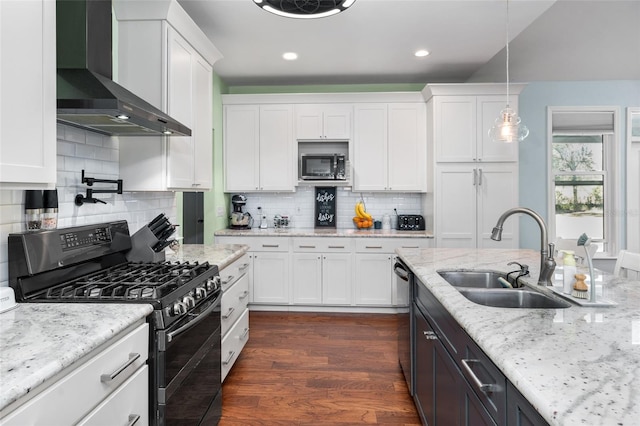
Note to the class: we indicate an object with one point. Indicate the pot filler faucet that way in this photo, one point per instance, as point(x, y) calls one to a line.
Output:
point(547, 263)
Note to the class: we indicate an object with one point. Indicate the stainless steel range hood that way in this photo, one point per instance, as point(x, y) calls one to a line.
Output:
point(87, 96)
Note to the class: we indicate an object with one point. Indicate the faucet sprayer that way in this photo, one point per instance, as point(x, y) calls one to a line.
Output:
point(547, 262)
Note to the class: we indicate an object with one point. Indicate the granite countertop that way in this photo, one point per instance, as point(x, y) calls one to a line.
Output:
point(216, 254)
point(576, 366)
point(39, 340)
point(316, 232)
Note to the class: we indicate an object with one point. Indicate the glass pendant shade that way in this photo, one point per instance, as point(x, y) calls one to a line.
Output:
point(304, 9)
point(508, 127)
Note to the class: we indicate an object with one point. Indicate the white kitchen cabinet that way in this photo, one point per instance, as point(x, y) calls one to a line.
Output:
point(270, 277)
point(83, 396)
point(469, 199)
point(234, 311)
point(374, 279)
point(323, 121)
point(461, 129)
point(390, 147)
point(321, 271)
point(27, 94)
point(259, 148)
point(167, 60)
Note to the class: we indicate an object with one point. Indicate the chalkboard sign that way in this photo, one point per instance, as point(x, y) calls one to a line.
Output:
point(325, 202)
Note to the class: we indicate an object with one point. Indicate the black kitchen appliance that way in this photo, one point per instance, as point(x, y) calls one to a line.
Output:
point(88, 264)
point(323, 167)
point(238, 218)
point(410, 222)
point(404, 286)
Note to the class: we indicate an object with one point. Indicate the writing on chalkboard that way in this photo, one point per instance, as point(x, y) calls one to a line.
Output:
point(325, 203)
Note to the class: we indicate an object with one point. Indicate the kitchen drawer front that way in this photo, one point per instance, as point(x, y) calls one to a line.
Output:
point(128, 403)
point(271, 244)
point(233, 342)
point(322, 245)
point(232, 273)
point(234, 302)
point(444, 325)
point(72, 397)
point(389, 245)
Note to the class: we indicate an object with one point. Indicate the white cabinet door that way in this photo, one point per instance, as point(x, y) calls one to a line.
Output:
point(202, 126)
point(277, 160)
point(370, 147)
point(271, 277)
point(497, 192)
point(27, 84)
point(407, 147)
point(469, 200)
point(455, 204)
point(306, 279)
point(455, 128)
point(373, 279)
point(323, 121)
point(337, 278)
point(241, 147)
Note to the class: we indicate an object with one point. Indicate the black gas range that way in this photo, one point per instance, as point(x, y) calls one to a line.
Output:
point(96, 264)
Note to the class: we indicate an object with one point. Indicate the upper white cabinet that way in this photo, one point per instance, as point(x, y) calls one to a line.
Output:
point(259, 148)
point(390, 147)
point(27, 94)
point(323, 121)
point(167, 60)
point(461, 126)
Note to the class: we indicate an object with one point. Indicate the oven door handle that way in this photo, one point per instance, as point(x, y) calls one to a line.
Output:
point(201, 316)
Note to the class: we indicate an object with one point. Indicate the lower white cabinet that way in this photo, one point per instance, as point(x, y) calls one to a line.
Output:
point(328, 272)
point(86, 396)
point(234, 311)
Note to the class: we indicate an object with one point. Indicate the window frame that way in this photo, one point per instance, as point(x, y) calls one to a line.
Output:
point(613, 167)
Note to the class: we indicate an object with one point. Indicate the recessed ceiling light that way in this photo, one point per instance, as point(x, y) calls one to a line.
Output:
point(421, 53)
point(290, 56)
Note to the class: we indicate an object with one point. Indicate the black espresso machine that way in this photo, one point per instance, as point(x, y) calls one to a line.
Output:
point(96, 264)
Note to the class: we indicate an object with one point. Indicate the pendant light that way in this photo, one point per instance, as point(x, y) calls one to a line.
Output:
point(304, 8)
point(508, 127)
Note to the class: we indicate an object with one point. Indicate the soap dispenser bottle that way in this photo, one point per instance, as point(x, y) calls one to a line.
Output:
point(568, 271)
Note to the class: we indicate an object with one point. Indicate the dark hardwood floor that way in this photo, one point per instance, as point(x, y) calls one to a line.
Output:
point(318, 369)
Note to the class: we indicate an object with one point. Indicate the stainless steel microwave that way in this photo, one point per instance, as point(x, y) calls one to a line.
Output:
point(323, 167)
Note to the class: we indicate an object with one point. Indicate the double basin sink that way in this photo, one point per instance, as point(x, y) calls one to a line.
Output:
point(484, 288)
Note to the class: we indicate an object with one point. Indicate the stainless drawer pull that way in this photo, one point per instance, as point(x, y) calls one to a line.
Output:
point(229, 279)
point(244, 333)
point(430, 335)
point(228, 314)
point(373, 247)
point(229, 358)
point(307, 246)
point(244, 295)
point(336, 247)
point(243, 266)
point(133, 419)
point(105, 378)
point(271, 245)
point(410, 247)
point(484, 387)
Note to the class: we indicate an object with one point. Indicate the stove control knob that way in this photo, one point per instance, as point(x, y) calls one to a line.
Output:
point(213, 283)
point(189, 301)
point(201, 292)
point(179, 308)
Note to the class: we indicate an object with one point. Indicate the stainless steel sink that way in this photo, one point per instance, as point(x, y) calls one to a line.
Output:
point(475, 278)
point(506, 298)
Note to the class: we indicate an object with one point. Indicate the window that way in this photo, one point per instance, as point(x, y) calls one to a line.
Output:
point(583, 176)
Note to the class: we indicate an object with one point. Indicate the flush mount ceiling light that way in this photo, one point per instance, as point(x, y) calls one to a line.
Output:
point(304, 9)
point(508, 127)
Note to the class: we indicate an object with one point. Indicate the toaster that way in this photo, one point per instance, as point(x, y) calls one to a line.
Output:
point(410, 222)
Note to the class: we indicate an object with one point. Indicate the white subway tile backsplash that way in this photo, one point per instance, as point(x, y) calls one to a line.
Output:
point(98, 156)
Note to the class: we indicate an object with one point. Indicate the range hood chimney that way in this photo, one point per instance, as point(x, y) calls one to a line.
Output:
point(88, 98)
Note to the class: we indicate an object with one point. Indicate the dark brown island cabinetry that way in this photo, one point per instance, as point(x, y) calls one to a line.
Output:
point(455, 382)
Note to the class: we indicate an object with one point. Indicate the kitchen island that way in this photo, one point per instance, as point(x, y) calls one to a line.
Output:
point(575, 366)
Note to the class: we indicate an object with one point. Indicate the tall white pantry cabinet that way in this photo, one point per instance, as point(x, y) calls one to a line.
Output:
point(475, 178)
point(167, 60)
point(27, 94)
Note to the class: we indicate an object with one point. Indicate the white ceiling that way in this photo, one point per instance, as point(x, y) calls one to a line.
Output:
point(374, 41)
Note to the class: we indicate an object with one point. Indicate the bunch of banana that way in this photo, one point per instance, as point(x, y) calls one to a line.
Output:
point(362, 219)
